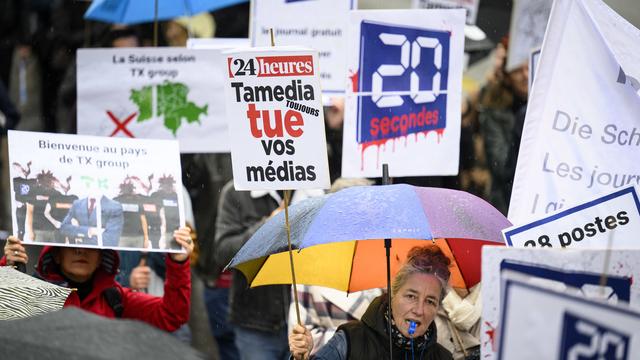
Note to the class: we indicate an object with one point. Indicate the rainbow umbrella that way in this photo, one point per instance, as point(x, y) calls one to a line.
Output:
point(339, 237)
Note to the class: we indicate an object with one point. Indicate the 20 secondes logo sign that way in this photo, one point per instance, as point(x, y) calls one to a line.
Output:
point(402, 82)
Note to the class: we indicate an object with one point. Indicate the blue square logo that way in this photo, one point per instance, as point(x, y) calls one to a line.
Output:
point(583, 339)
point(402, 81)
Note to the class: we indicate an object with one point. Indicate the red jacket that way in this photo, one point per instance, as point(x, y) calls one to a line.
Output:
point(167, 313)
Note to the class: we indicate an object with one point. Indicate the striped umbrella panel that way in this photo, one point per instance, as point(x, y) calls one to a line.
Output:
point(23, 296)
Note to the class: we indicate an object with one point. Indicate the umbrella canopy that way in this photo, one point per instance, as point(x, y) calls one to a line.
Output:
point(339, 236)
point(141, 11)
point(73, 333)
point(22, 295)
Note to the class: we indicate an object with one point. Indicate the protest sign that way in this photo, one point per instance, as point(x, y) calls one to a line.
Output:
point(73, 190)
point(217, 43)
point(539, 323)
point(318, 24)
point(470, 6)
point(276, 121)
point(575, 271)
point(581, 134)
point(403, 107)
point(159, 93)
point(528, 23)
point(609, 221)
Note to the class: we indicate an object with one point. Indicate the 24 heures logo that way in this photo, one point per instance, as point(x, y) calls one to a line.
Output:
point(271, 66)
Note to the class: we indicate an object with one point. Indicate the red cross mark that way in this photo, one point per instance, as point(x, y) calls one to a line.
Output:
point(121, 125)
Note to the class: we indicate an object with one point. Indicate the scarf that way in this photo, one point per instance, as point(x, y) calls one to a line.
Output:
point(400, 340)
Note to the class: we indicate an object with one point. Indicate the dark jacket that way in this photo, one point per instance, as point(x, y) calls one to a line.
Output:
point(502, 128)
point(167, 313)
point(368, 339)
point(240, 215)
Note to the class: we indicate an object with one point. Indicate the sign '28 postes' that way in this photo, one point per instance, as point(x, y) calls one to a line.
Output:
point(402, 81)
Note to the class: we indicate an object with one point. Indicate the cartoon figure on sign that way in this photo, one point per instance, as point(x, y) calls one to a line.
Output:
point(401, 83)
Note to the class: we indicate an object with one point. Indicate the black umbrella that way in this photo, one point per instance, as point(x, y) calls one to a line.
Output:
point(73, 333)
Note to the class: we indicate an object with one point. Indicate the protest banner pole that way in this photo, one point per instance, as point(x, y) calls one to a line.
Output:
point(287, 197)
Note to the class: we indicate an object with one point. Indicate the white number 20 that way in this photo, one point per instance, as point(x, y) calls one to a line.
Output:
point(409, 52)
point(599, 343)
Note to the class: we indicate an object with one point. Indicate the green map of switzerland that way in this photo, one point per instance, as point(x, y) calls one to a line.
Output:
point(172, 103)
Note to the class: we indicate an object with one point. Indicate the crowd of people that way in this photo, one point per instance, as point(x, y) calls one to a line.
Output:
point(429, 319)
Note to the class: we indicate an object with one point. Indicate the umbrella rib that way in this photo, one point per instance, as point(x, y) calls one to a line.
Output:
point(355, 248)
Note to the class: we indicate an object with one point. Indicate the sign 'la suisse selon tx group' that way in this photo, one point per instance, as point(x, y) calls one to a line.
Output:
point(275, 119)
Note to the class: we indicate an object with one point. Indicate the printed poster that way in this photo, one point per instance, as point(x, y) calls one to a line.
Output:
point(154, 93)
point(582, 131)
point(276, 120)
point(316, 24)
point(89, 191)
point(564, 326)
point(608, 222)
point(403, 105)
point(578, 272)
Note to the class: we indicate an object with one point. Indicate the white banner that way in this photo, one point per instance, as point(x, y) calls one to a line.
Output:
point(317, 24)
point(543, 324)
point(528, 23)
point(581, 136)
point(577, 271)
point(403, 107)
point(276, 121)
point(471, 7)
point(611, 221)
point(158, 93)
point(89, 191)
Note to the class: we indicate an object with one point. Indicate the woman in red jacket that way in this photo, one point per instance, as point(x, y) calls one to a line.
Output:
point(92, 272)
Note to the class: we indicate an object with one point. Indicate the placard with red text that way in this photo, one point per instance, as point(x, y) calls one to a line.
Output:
point(275, 119)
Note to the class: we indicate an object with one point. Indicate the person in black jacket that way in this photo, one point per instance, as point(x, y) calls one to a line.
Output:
point(258, 315)
point(417, 292)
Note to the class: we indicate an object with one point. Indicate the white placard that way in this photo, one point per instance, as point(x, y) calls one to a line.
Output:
point(585, 265)
point(582, 131)
point(528, 23)
point(217, 43)
point(403, 107)
point(611, 221)
point(564, 326)
point(154, 93)
point(89, 191)
point(471, 7)
point(276, 121)
point(318, 24)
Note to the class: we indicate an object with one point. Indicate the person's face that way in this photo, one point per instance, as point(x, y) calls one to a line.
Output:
point(175, 34)
point(78, 264)
point(417, 300)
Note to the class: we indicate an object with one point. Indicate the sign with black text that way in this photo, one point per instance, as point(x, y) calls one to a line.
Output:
point(608, 221)
point(317, 24)
point(89, 191)
point(276, 120)
point(153, 93)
